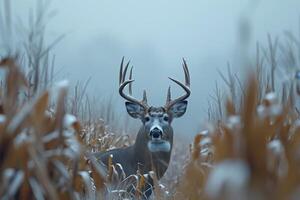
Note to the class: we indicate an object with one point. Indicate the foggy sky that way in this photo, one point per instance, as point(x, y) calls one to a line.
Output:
point(155, 35)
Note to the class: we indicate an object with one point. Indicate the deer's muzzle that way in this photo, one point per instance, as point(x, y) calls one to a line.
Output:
point(156, 133)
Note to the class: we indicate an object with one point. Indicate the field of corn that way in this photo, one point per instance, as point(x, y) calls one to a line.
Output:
point(249, 149)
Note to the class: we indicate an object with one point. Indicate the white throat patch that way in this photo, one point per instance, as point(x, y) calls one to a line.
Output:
point(159, 146)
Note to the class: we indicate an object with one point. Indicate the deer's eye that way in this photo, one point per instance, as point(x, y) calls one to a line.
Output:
point(166, 118)
point(147, 119)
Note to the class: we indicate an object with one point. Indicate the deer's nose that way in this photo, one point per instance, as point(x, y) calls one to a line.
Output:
point(156, 133)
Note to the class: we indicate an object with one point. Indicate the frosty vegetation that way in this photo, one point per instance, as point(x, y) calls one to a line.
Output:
point(248, 150)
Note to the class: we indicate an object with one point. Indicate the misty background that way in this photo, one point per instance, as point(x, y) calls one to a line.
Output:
point(155, 35)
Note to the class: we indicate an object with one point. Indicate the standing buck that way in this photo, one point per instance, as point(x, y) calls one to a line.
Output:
point(154, 141)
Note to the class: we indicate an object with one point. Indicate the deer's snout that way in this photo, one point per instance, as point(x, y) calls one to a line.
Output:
point(156, 133)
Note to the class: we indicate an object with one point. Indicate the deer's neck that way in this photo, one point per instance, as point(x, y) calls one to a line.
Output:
point(147, 160)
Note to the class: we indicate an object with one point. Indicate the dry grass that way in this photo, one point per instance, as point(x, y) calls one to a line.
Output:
point(45, 152)
point(250, 149)
point(253, 138)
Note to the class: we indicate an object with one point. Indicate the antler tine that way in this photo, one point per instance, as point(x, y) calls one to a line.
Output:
point(186, 73)
point(168, 95)
point(121, 71)
point(124, 83)
point(130, 78)
point(125, 71)
point(185, 87)
point(144, 96)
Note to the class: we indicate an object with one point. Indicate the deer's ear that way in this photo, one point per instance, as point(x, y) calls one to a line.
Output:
point(134, 109)
point(178, 109)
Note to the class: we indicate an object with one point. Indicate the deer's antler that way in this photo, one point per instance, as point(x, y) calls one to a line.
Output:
point(185, 87)
point(123, 83)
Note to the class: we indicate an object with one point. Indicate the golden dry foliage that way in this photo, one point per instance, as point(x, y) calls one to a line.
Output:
point(46, 153)
point(141, 183)
point(192, 181)
point(41, 151)
point(252, 151)
point(255, 152)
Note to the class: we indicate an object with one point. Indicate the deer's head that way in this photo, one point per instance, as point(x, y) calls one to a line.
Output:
point(156, 121)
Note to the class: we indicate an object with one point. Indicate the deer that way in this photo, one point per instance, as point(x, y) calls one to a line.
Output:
point(152, 148)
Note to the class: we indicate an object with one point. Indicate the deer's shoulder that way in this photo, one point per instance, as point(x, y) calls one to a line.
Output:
point(121, 156)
